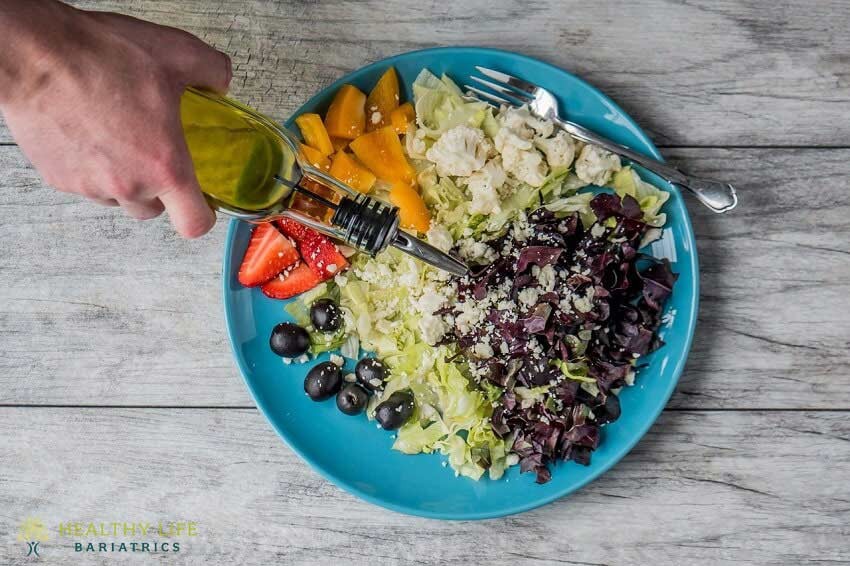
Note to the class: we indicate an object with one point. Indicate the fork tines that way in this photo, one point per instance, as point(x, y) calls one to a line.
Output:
point(520, 91)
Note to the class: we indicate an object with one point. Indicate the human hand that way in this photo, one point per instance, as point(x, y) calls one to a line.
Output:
point(93, 100)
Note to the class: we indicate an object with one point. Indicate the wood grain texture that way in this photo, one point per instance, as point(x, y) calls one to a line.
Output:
point(98, 309)
point(707, 73)
point(701, 488)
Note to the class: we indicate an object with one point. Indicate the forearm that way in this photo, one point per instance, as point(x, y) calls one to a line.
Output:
point(30, 29)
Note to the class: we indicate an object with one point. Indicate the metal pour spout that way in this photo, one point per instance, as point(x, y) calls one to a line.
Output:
point(428, 253)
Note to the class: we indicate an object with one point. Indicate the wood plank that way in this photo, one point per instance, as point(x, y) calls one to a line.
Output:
point(716, 487)
point(98, 309)
point(719, 73)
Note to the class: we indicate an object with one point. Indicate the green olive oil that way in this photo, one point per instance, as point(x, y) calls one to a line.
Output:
point(238, 155)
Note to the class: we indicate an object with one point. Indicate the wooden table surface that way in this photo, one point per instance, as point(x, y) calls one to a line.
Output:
point(119, 400)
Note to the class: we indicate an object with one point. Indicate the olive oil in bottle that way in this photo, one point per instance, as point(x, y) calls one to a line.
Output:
point(239, 157)
point(247, 166)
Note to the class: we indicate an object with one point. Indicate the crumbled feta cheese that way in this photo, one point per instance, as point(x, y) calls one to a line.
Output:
point(528, 296)
point(337, 360)
point(560, 150)
point(584, 304)
point(461, 150)
point(376, 117)
point(597, 230)
point(439, 237)
point(349, 378)
point(546, 278)
point(521, 229)
point(482, 350)
point(595, 165)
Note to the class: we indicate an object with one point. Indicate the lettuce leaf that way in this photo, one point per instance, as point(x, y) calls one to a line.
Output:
point(440, 105)
point(626, 181)
point(576, 203)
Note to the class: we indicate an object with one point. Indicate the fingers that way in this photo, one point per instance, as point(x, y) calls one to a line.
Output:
point(204, 66)
point(143, 210)
point(188, 210)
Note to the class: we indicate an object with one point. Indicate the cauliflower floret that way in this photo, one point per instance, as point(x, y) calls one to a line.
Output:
point(483, 187)
point(525, 124)
point(432, 328)
point(414, 142)
point(439, 237)
point(595, 165)
point(560, 150)
point(520, 158)
point(459, 151)
point(473, 250)
point(430, 301)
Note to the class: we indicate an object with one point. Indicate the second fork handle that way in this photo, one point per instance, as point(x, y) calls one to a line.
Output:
point(716, 195)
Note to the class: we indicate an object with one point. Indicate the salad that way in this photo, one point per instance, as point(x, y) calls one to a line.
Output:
point(517, 363)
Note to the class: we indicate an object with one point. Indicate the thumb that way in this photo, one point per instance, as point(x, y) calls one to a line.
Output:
point(205, 66)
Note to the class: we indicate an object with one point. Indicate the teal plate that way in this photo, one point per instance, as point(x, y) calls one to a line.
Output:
point(354, 454)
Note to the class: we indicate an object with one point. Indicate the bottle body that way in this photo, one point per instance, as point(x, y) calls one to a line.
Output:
point(239, 157)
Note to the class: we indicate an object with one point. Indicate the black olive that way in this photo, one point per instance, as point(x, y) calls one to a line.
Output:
point(370, 373)
point(323, 381)
point(289, 340)
point(326, 315)
point(395, 411)
point(352, 399)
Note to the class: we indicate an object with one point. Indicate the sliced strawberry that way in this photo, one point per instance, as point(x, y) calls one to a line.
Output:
point(322, 255)
point(293, 229)
point(268, 253)
point(291, 282)
point(317, 250)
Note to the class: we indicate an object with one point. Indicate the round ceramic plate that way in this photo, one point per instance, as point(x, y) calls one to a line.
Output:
point(354, 454)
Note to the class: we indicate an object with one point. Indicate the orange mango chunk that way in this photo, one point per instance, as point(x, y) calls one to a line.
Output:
point(345, 168)
point(346, 117)
point(339, 143)
point(382, 101)
point(382, 153)
point(314, 133)
point(315, 158)
point(401, 117)
point(412, 212)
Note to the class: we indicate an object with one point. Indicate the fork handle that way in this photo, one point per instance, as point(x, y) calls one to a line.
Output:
point(716, 195)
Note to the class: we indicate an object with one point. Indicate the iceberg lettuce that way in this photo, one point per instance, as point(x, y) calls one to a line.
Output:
point(627, 182)
point(440, 105)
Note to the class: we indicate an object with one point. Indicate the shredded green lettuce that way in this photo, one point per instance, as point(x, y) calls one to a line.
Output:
point(576, 203)
point(626, 181)
point(299, 309)
point(452, 414)
point(440, 105)
point(574, 371)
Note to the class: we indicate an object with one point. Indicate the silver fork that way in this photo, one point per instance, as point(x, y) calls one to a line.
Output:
point(716, 195)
